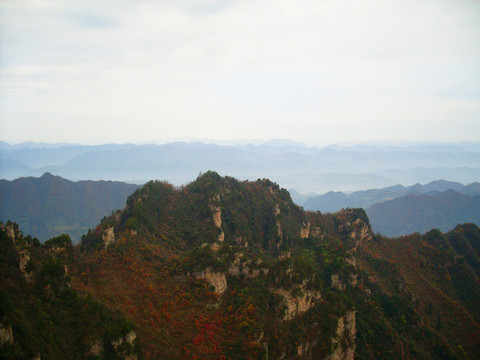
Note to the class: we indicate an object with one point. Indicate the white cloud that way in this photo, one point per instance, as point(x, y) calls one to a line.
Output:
point(317, 70)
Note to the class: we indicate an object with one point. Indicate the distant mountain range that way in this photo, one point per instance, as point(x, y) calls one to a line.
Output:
point(399, 210)
point(292, 165)
point(334, 201)
point(420, 213)
point(50, 205)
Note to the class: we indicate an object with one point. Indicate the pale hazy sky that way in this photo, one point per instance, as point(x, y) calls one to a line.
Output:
point(313, 71)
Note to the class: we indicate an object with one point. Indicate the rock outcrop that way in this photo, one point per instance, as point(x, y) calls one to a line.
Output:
point(237, 267)
point(24, 259)
point(361, 232)
point(217, 217)
point(276, 212)
point(217, 279)
point(299, 304)
point(303, 349)
point(96, 349)
point(108, 236)
point(336, 283)
point(308, 230)
point(305, 231)
point(344, 342)
point(6, 334)
point(124, 346)
point(11, 229)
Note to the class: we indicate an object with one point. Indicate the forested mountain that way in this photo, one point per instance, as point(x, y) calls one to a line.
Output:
point(472, 189)
point(222, 269)
point(293, 165)
point(400, 210)
point(420, 213)
point(42, 316)
point(50, 205)
point(334, 201)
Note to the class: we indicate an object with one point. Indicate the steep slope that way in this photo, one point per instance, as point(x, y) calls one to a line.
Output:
point(50, 205)
point(227, 268)
point(420, 213)
point(424, 296)
point(42, 316)
point(235, 269)
point(222, 269)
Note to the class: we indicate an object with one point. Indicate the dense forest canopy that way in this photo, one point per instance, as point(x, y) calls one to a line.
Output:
point(228, 269)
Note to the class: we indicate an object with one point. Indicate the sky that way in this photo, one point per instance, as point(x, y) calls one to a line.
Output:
point(318, 72)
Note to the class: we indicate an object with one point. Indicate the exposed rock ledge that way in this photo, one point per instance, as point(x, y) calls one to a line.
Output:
point(336, 283)
point(217, 279)
point(108, 236)
point(299, 304)
point(344, 341)
point(217, 217)
point(123, 346)
point(308, 230)
point(364, 233)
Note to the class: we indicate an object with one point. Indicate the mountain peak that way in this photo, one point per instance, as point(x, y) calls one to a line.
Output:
point(214, 209)
point(48, 175)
